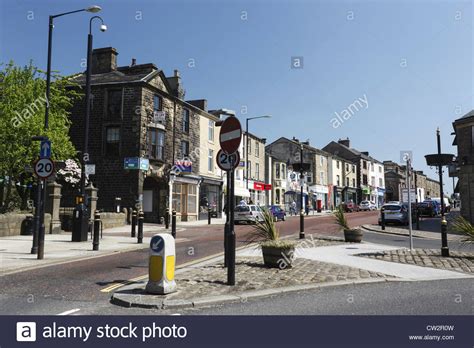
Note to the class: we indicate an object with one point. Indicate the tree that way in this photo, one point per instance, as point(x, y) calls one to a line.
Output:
point(22, 106)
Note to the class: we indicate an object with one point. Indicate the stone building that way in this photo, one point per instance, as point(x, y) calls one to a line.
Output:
point(369, 171)
point(464, 140)
point(277, 176)
point(255, 167)
point(342, 181)
point(144, 138)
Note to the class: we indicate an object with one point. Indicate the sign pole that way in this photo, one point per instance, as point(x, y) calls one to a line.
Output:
point(227, 221)
point(231, 234)
point(409, 203)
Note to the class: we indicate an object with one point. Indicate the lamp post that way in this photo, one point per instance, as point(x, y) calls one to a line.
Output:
point(247, 146)
point(440, 160)
point(39, 213)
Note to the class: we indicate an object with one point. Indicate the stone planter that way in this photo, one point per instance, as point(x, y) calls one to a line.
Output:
point(277, 257)
point(353, 235)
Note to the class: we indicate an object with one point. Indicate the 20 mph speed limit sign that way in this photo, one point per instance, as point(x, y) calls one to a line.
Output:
point(44, 168)
point(227, 162)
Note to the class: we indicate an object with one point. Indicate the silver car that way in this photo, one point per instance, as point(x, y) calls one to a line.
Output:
point(367, 205)
point(397, 213)
point(248, 213)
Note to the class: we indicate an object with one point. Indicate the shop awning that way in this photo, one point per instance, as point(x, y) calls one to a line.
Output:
point(241, 192)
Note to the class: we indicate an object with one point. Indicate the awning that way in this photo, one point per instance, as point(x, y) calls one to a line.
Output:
point(241, 192)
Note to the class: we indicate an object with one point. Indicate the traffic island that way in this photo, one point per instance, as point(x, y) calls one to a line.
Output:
point(206, 285)
point(458, 261)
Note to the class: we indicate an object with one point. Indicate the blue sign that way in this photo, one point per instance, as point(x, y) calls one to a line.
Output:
point(45, 149)
point(157, 244)
point(184, 166)
point(144, 164)
point(131, 163)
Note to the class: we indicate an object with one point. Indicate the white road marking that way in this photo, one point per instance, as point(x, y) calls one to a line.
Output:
point(70, 311)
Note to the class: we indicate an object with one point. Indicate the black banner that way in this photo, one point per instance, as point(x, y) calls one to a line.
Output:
point(236, 331)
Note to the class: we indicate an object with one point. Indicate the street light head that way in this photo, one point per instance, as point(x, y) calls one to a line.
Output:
point(103, 28)
point(94, 9)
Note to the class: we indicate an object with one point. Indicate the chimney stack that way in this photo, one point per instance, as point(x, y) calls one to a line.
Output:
point(104, 60)
point(134, 62)
point(345, 142)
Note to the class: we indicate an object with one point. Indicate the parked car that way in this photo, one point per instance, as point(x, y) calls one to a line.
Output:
point(394, 213)
point(278, 213)
point(367, 205)
point(427, 208)
point(434, 207)
point(447, 205)
point(247, 213)
point(350, 207)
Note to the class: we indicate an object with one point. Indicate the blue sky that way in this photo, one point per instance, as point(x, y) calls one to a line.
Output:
point(411, 61)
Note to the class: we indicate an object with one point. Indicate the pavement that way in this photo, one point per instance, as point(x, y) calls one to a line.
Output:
point(403, 231)
point(319, 264)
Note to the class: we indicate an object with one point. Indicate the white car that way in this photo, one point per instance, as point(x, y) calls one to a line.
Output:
point(248, 213)
point(367, 205)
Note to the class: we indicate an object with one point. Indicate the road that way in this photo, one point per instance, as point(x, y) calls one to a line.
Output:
point(78, 285)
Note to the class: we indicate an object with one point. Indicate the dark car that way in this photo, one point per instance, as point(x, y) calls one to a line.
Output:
point(350, 207)
point(278, 213)
point(429, 208)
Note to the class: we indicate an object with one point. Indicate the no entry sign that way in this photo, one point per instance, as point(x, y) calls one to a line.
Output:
point(230, 135)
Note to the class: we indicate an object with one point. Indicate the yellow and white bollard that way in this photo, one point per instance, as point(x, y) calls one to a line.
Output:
point(161, 265)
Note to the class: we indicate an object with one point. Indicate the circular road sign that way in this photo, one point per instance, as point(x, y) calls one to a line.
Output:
point(44, 168)
point(227, 162)
point(156, 244)
point(230, 135)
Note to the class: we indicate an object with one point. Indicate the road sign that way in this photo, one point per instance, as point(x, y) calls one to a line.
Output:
point(224, 160)
point(157, 244)
point(90, 169)
point(45, 149)
point(230, 135)
point(405, 195)
point(44, 168)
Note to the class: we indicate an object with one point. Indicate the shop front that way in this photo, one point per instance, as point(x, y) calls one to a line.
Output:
point(210, 193)
point(319, 195)
point(365, 193)
point(184, 199)
point(257, 192)
point(380, 197)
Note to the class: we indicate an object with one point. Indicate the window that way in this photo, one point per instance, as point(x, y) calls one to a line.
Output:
point(210, 160)
point(364, 179)
point(364, 164)
point(337, 164)
point(156, 141)
point(347, 169)
point(176, 204)
point(321, 160)
point(277, 196)
point(277, 171)
point(372, 167)
point(283, 171)
point(372, 181)
point(191, 198)
point(257, 149)
point(380, 169)
point(112, 142)
point(337, 180)
point(185, 120)
point(249, 169)
point(321, 177)
point(237, 174)
point(156, 103)
point(347, 181)
point(380, 182)
point(353, 168)
point(257, 170)
point(309, 179)
point(249, 145)
point(211, 130)
point(353, 182)
point(114, 103)
point(184, 148)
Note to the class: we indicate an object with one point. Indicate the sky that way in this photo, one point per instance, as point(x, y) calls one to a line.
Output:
point(396, 70)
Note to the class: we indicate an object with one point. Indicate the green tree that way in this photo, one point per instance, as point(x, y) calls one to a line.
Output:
point(22, 106)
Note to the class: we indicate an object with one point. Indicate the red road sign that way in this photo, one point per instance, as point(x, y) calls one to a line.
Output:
point(224, 160)
point(230, 135)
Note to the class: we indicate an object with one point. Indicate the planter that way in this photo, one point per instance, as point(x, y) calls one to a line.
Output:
point(278, 257)
point(353, 235)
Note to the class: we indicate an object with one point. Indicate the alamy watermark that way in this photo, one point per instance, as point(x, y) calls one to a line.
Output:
point(349, 111)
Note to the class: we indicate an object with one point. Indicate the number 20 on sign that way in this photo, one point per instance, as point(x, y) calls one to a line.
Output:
point(44, 168)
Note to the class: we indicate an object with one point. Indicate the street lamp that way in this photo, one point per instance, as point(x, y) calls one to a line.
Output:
point(39, 214)
point(247, 145)
point(82, 202)
point(440, 160)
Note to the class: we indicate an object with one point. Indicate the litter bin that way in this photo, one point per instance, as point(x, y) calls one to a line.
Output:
point(27, 226)
point(80, 223)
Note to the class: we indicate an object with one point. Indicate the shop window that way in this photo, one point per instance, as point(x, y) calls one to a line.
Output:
point(191, 199)
point(177, 197)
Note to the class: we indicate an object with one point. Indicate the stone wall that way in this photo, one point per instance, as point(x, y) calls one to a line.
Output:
point(110, 220)
point(11, 223)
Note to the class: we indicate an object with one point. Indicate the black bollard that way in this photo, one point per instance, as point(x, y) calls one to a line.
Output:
point(208, 215)
point(167, 218)
point(134, 222)
point(141, 217)
point(95, 239)
point(444, 237)
point(173, 224)
point(382, 212)
point(417, 218)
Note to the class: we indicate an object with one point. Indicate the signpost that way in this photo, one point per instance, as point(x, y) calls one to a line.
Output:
point(407, 155)
point(228, 159)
